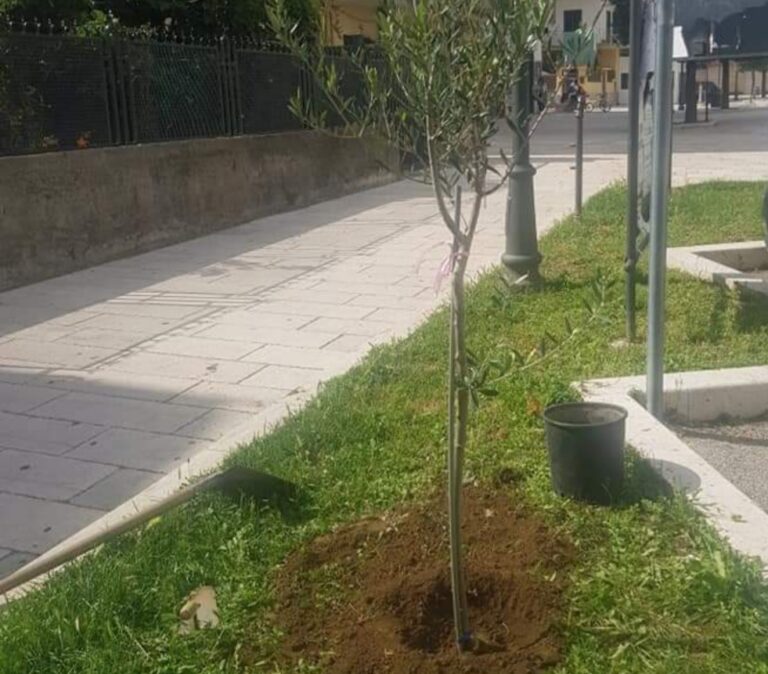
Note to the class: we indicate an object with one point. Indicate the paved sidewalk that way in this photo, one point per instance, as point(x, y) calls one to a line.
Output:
point(114, 376)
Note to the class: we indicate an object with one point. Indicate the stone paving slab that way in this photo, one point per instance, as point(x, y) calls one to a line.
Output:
point(53, 478)
point(119, 447)
point(118, 487)
point(32, 525)
point(13, 561)
point(116, 375)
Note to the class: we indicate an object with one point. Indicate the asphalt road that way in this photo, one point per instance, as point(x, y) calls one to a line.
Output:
point(737, 130)
point(738, 451)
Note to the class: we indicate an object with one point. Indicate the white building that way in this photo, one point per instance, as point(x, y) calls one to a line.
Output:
point(609, 75)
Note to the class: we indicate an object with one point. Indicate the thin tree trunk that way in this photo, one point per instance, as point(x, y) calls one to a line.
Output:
point(460, 415)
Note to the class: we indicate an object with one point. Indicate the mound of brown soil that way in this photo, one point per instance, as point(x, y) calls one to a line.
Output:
point(375, 596)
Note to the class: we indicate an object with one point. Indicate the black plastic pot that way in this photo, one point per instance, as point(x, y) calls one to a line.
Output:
point(586, 450)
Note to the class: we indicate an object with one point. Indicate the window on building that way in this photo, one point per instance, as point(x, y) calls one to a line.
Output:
point(571, 20)
point(624, 81)
point(608, 26)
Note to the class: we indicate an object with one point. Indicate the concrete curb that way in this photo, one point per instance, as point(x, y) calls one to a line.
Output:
point(723, 263)
point(697, 396)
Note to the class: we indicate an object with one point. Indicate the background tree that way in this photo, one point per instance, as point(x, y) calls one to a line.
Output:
point(198, 16)
point(434, 88)
point(755, 67)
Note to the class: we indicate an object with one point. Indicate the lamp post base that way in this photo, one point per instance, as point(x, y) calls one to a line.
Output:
point(521, 257)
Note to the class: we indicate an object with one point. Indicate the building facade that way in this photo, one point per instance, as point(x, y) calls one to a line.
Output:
point(606, 70)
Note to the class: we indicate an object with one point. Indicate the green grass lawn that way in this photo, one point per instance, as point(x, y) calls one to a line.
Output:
point(653, 591)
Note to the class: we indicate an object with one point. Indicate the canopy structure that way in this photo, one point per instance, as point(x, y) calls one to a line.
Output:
point(723, 27)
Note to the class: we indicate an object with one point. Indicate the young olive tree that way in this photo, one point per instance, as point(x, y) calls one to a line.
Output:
point(434, 87)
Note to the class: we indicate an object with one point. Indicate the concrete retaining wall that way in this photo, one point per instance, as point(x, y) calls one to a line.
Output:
point(68, 210)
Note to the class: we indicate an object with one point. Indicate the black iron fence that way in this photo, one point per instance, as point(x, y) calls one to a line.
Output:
point(63, 92)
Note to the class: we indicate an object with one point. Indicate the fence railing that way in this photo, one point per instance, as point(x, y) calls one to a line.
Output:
point(64, 92)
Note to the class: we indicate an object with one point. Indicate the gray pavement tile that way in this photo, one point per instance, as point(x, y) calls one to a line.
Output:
point(24, 397)
point(349, 344)
point(119, 412)
point(285, 377)
point(256, 336)
point(256, 317)
point(108, 339)
point(15, 374)
point(228, 396)
point(112, 383)
point(50, 436)
point(146, 325)
point(53, 353)
point(32, 525)
point(205, 345)
point(47, 477)
point(296, 357)
point(183, 367)
point(294, 308)
point(138, 449)
point(115, 489)
point(123, 306)
point(13, 562)
point(218, 423)
point(342, 326)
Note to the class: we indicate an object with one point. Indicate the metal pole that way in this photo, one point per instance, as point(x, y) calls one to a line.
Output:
point(706, 96)
point(725, 94)
point(633, 158)
point(579, 153)
point(691, 93)
point(521, 256)
point(662, 149)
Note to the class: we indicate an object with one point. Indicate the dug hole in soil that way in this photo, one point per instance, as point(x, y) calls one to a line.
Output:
point(375, 596)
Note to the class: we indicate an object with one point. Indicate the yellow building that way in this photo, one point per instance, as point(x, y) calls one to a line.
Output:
point(355, 21)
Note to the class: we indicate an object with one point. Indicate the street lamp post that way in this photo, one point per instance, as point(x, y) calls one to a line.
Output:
point(521, 255)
